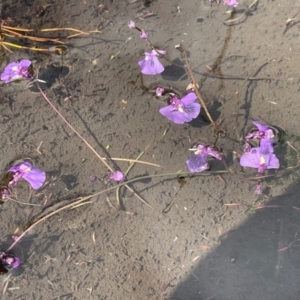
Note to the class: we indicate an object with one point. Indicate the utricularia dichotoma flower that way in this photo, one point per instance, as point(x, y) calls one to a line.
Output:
point(261, 158)
point(233, 3)
point(9, 260)
point(116, 176)
point(151, 65)
point(34, 176)
point(198, 161)
point(181, 110)
point(257, 160)
point(17, 71)
point(265, 135)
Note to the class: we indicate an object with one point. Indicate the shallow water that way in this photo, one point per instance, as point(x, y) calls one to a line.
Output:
point(201, 249)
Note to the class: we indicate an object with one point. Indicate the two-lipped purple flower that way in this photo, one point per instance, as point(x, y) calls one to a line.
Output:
point(151, 65)
point(116, 176)
point(265, 135)
point(255, 159)
point(181, 110)
point(17, 71)
point(262, 157)
point(233, 3)
point(198, 161)
point(34, 176)
point(9, 260)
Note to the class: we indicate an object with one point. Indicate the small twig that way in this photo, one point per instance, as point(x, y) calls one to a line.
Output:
point(69, 29)
point(129, 188)
point(181, 48)
point(16, 28)
point(24, 47)
point(135, 161)
point(23, 203)
point(74, 130)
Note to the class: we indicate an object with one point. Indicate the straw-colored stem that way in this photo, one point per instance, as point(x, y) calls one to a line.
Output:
point(74, 130)
point(128, 187)
point(16, 28)
point(6, 48)
point(135, 161)
point(70, 29)
point(183, 52)
point(35, 38)
point(24, 47)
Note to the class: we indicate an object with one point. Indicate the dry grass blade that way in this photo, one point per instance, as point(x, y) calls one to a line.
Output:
point(23, 47)
point(136, 161)
point(37, 39)
point(69, 29)
point(16, 28)
point(129, 188)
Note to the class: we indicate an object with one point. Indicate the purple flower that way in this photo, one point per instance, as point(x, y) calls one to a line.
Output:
point(159, 91)
point(182, 110)
point(10, 260)
point(93, 178)
point(266, 136)
point(263, 132)
point(151, 65)
point(131, 25)
point(233, 3)
point(143, 34)
point(116, 176)
point(255, 159)
point(32, 175)
point(197, 162)
point(17, 71)
point(257, 190)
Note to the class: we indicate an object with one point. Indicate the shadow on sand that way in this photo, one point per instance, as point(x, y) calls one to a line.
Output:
point(248, 263)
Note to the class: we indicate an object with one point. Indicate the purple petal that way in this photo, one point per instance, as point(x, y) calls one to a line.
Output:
point(116, 176)
point(197, 163)
point(214, 153)
point(25, 63)
point(189, 98)
point(35, 178)
point(261, 127)
point(174, 115)
point(191, 111)
point(131, 24)
point(143, 34)
point(251, 159)
point(272, 161)
point(233, 3)
point(266, 146)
